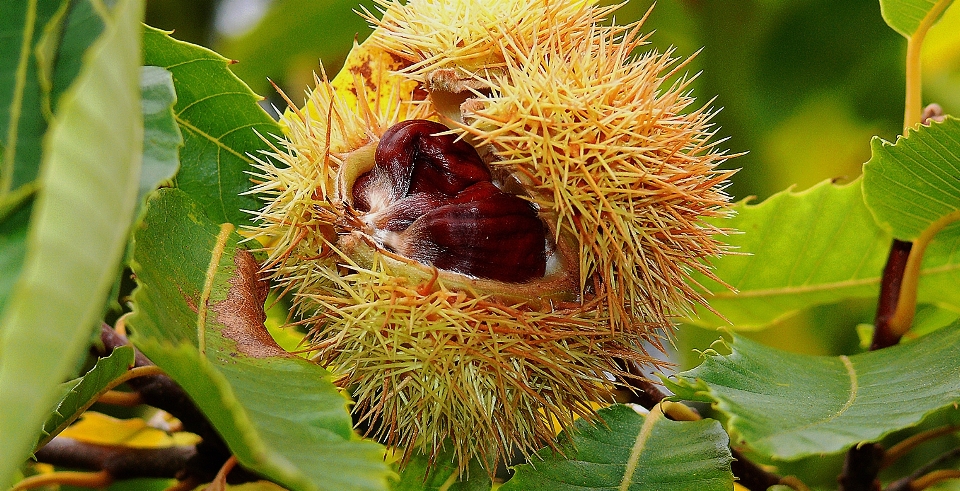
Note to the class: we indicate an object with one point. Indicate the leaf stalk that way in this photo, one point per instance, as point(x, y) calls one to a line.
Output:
point(914, 83)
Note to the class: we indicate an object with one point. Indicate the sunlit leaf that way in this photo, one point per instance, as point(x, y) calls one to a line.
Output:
point(910, 184)
point(80, 394)
point(906, 16)
point(800, 249)
point(218, 116)
point(630, 451)
point(78, 229)
point(199, 316)
point(810, 248)
point(788, 406)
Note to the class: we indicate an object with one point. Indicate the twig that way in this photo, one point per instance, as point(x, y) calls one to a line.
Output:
point(890, 283)
point(99, 479)
point(899, 450)
point(863, 462)
point(919, 479)
point(118, 462)
point(751, 475)
point(934, 478)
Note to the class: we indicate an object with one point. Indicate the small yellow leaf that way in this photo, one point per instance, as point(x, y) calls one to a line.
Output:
point(100, 429)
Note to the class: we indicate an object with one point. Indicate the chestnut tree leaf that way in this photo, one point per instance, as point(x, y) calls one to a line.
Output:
point(907, 16)
point(418, 475)
point(84, 203)
point(808, 248)
point(70, 32)
point(219, 118)
point(630, 451)
point(161, 134)
point(789, 406)
point(81, 393)
point(22, 124)
point(910, 184)
point(199, 316)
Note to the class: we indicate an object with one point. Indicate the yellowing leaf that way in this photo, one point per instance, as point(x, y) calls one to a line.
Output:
point(100, 429)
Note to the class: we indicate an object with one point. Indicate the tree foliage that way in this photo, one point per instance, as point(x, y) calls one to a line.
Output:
point(128, 154)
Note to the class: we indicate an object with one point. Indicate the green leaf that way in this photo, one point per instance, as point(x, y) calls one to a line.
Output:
point(161, 135)
point(219, 117)
point(910, 184)
point(630, 451)
point(803, 249)
point(418, 475)
point(77, 233)
point(789, 406)
point(199, 316)
point(906, 16)
point(287, 36)
point(815, 247)
point(60, 51)
point(22, 125)
point(80, 394)
point(14, 221)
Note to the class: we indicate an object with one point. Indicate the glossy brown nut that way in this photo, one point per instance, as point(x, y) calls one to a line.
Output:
point(431, 199)
point(412, 158)
point(484, 233)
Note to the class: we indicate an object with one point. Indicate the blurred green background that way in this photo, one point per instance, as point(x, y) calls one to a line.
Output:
point(804, 85)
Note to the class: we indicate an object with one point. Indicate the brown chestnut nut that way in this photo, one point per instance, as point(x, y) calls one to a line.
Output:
point(429, 197)
point(413, 158)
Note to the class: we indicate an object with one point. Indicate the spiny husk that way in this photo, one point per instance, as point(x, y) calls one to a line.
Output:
point(604, 140)
point(435, 366)
point(468, 36)
point(433, 358)
point(593, 136)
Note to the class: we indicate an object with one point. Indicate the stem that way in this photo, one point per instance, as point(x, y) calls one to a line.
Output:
point(100, 479)
point(861, 467)
point(118, 462)
point(907, 303)
point(889, 294)
point(117, 398)
point(915, 480)
point(934, 478)
point(899, 450)
point(912, 105)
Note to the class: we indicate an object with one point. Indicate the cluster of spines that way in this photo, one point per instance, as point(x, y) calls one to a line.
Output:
point(468, 36)
point(599, 138)
point(427, 363)
point(603, 137)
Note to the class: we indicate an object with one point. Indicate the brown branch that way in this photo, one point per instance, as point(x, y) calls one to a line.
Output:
point(861, 467)
point(863, 463)
point(890, 283)
point(909, 483)
point(119, 462)
point(751, 475)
